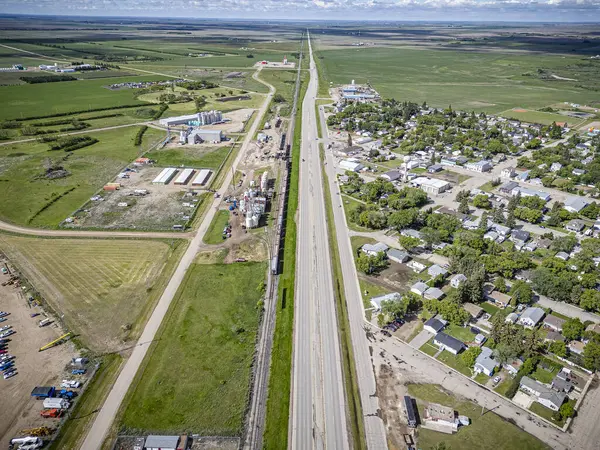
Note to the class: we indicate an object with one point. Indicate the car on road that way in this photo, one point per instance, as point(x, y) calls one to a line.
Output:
point(386, 333)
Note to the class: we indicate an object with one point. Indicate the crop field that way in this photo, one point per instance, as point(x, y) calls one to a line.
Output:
point(196, 377)
point(470, 80)
point(104, 288)
point(41, 99)
point(545, 118)
point(190, 156)
point(29, 197)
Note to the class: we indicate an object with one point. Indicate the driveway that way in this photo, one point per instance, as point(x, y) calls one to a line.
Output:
point(521, 398)
point(421, 338)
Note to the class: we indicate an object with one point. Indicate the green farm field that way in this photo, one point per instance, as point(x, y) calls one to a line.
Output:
point(545, 118)
point(104, 288)
point(489, 429)
point(196, 376)
point(42, 99)
point(29, 198)
point(468, 80)
point(190, 156)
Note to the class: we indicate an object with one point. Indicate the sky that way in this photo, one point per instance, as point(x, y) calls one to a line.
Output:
point(399, 10)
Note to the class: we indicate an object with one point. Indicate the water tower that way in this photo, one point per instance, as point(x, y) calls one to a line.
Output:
point(406, 161)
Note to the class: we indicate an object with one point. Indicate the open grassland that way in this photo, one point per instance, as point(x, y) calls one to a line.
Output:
point(30, 198)
point(214, 234)
point(190, 156)
point(545, 118)
point(487, 430)
point(469, 80)
point(104, 288)
point(196, 377)
point(55, 98)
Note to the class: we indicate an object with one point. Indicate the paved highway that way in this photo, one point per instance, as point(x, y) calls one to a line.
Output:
point(103, 421)
point(318, 409)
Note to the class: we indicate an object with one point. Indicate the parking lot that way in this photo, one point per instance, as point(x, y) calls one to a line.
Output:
point(34, 368)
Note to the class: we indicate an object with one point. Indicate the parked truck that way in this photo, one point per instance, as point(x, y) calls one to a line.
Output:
point(42, 392)
point(56, 403)
point(26, 443)
point(69, 395)
point(45, 322)
point(51, 413)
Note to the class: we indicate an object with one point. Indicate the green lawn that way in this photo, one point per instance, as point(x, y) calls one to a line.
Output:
point(461, 333)
point(502, 388)
point(467, 80)
point(370, 290)
point(542, 375)
point(489, 308)
point(546, 413)
point(196, 157)
point(196, 377)
point(455, 361)
point(350, 203)
point(486, 431)
point(214, 234)
point(29, 198)
point(482, 378)
point(487, 187)
point(544, 118)
point(429, 348)
point(54, 98)
point(358, 241)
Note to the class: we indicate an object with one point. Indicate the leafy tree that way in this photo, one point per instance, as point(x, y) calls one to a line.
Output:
point(566, 410)
point(558, 348)
point(500, 284)
point(590, 299)
point(463, 195)
point(498, 215)
point(573, 329)
point(394, 308)
point(431, 236)
point(483, 223)
point(200, 103)
point(278, 98)
point(510, 219)
point(504, 353)
point(564, 243)
point(521, 292)
point(482, 201)
point(380, 320)
point(409, 242)
point(371, 264)
point(470, 355)
point(403, 219)
point(591, 355)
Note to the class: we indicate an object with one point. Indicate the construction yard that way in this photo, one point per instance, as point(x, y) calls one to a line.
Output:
point(19, 410)
point(104, 289)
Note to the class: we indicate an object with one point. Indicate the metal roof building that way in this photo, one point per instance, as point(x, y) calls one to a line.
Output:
point(154, 442)
point(165, 176)
point(202, 177)
point(184, 176)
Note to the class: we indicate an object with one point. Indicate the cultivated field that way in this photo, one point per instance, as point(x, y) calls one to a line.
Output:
point(30, 197)
point(471, 80)
point(196, 378)
point(103, 289)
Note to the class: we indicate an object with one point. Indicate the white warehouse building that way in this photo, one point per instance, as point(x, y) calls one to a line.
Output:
point(352, 166)
point(431, 185)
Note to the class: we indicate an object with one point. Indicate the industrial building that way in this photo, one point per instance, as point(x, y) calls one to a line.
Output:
point(253, 207)
point(199, 135)
point(351, 165)
point(165, 176)
point(184, 176)
point(198, 119)
point(431, 185)
point(202, 177)
point(526, 192)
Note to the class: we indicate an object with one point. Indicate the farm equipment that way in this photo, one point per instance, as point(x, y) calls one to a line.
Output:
point(54, 413)
point(38, 432)
point(68, 395)
point(58, 341)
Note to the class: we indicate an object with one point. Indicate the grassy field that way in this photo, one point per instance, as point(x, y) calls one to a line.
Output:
point(192, 156)
point(214, 234)
point(54, 98)
point(104, 288)
point(32, 199)
point(358, 241)
point(486, 431)
point(478, 80)
point(74, 429)
point(196, 378)
point(544, 118)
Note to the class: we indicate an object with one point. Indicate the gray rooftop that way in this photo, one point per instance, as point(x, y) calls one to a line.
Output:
point(576, 203)
point(377, 247)
point(484, 360)
point(449, 341)
point(434, 323)
point(436, 270)
point(434, 293)
point(535, 314)
point(164, 442)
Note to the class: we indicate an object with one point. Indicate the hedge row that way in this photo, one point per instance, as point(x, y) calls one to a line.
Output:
point(68, 121)
point(163, 107)
point(47, 79)
point(140, 135)
point(73, 143)
point(23, 119)
point(50, 203)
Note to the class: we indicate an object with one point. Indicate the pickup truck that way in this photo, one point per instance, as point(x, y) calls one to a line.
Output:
point(70, 384)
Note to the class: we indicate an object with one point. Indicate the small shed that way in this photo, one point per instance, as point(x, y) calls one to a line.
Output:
point(155, 442)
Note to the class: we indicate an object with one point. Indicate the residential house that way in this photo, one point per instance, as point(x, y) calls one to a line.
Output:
point(374, 249)
point(531, 317)
point(411, 233)
point(392, 175)
point(507, 172)
point(434, 325)
point(500, 299)
point(526, 192)
point(545, 395)
point(436, 270)
point(562, 381)
point(522, 175)
point(501, 229)
point(575, 204)
point(531, 246)
point(397, 255)
point(512, 318)
point(474, 310)
point(485, 362)
point(507, 188)
point(555, 167)
point(576, 347)
point(553, 322)
point(544, 243)
point(440, 417)
point(594, 328)
point(457, 280)
point(523, 275)
point(435, 168)
point(449, 343)
point(578, 172)
point(513, 366)
point(575, 225)
point(562, 255)
point(416, 266)
point(376, 301)
point(554, 336)
point(419, 288)
point(491, 235)
point(519, 236)
point(434, 293)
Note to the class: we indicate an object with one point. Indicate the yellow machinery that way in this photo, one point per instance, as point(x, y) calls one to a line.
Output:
point(55, 342)
point(38, 432)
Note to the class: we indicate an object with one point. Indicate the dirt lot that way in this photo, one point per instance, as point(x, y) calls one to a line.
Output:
point(160, 209)
point(47, 368)
point(238, 118)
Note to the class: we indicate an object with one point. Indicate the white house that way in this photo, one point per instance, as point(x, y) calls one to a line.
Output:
point(374, 249)
point(457, 280)
point(352, 166)
point(479, 166)
point(449, 343)
point(485, 362)
point(507, 172)
point(575, 204)
point(545, 395)
point(419, 288)
point(531, 317)
point(376, 301)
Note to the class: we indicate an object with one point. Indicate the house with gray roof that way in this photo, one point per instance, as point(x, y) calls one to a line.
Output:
point(519, 236)
point(531, 317)
point(562, 255)
point(575, 225)
point(562, 382)
point(553, 322)
point(398, 256)
point(376, 301)
point(434, 293)
point(434, 325)
point(485, 362)
point(419, 288)
point(575, 204)
point(545, 395)
point(411, 233)
point(457, 280)
point(449, 343)
point(374, 249)
point(436, 270)
point(391, 175)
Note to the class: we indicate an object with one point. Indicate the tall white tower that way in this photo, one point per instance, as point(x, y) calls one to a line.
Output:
point(406, 161)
